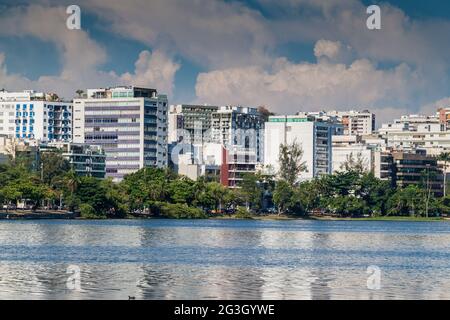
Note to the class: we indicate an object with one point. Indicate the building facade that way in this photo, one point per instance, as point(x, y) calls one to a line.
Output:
point(190, 123)
point(417, 168)
point(347, 148)
point(235, 126)
point(13, 148)
point(315, 138)
point(34, 115)
point(431, 137)
point(354, 122)
point(129, 123)
point(85, 160)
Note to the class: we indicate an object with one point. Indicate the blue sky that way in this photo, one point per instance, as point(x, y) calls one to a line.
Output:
point(290, 55)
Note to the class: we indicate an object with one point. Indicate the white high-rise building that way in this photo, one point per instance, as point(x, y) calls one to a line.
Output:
point(413, 122)
point(355, 123)
point(190, 123)
point(315, 138)
point(236, 126)
point(346, 148)
point(412, 132)
point(130, 123)
point(35, 115)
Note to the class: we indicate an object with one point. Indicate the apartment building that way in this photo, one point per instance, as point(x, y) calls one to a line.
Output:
point(315, 138)
point(190, 123)
point(85, 160)
point(235, 126)
point(383, 165)
point(129, 123)
point(236, 162)
point(443, 115)
point(35, 115)
point(411, 123)
point(347, 148)
point(354, 122)
point(13, 148)
point(415, 168)
point(431, 137)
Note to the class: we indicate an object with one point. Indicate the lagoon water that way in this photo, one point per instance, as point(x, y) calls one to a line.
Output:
point(223, 259)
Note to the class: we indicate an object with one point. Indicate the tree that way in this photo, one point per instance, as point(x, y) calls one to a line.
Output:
point(79, 92)
point(182, 190)
point(11, 194)
point(265, 113)
point(445, 157)
point(375, 193)
point(217, 194)
point(282, 196)
point(91, 192)
point(252, 191)
point(147, 186)
point(291, 164)
point(307, 193)
point(358, 163)
point(407, 201)
point(53, 165)
point(348, 205)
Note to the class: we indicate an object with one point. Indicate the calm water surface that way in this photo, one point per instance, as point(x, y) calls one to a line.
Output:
point(216, 259)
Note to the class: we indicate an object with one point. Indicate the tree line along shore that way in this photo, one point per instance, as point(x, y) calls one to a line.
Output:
point(161, 193)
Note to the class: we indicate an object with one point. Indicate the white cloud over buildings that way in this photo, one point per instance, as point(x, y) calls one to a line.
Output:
point(81, 56)
point(310, 86)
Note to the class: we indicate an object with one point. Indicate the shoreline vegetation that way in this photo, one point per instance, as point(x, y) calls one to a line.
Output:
point(61, 215)
point(55, 191)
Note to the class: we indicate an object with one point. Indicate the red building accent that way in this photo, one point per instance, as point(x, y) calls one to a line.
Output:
point(443, 115)
point(224, 173)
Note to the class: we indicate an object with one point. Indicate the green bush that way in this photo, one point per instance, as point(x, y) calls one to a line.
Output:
point(181, 211)
point(243, 213)
point(88, 212)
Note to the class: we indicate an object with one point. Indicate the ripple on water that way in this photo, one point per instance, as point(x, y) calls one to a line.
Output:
point(218, 259)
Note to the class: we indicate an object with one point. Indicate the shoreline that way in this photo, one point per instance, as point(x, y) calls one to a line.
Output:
point(330, 218)
point(53, 215)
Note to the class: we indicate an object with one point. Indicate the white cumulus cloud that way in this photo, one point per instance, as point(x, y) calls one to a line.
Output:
point(82, 57)
point(288, 87)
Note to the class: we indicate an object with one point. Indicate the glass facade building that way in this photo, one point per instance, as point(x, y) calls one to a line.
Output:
point(129, 123)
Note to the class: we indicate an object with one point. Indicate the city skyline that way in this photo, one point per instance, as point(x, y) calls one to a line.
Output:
point(291, 56)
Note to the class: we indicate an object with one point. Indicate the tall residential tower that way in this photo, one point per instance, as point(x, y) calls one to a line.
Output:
point(130, 123)
point(314, 137)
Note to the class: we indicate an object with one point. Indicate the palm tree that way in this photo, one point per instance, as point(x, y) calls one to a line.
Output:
point(72, 181)
point(79, 92)
point(445, 157)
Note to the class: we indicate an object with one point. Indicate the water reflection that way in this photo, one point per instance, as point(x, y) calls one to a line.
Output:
point(223, 259)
